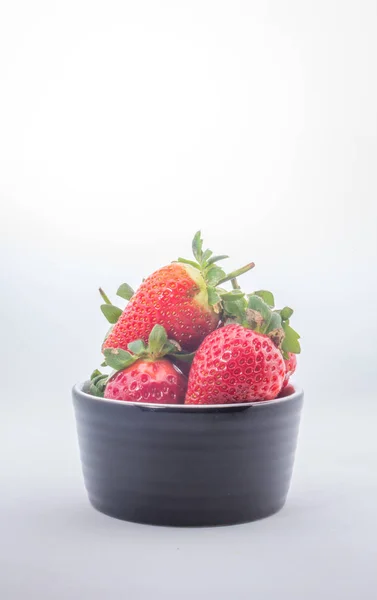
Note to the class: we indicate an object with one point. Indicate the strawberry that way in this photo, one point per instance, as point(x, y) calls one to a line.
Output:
point(245, 360)
point(257, 312)
point(235, 364)
point(144, 374)
point(183, 297)
point(290, 367)
point(157, 382)
point(287, 391)
point(174, 296)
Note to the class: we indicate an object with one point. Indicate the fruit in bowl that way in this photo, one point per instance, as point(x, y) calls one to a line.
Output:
point(181, 322)
point(194, 420)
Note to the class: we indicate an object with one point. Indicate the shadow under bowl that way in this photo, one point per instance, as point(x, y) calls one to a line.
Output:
point(185, 465)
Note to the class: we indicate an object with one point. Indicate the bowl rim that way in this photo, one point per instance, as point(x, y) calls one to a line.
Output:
point(78, 389)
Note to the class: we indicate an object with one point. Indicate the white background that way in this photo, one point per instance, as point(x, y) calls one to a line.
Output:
point(124, 128)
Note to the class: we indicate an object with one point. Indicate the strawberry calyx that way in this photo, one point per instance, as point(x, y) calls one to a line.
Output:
point(118, 359)
point(214, 275)
point(208, 276)
point(257, 311)
point(110, 311)
point(158, 346)
point(98, 383)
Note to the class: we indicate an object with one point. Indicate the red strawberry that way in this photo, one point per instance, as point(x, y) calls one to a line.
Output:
point(290, 367)
point(182, 297)
point(259, 314)
point(143, 374)
point(158, 382)
point(235, 364)
point(175, 297)
point(286, 391)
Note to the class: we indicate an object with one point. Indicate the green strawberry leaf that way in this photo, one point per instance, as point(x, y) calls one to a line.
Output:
point(157, 340)
point(235, 308)
point(197, 247)
point(206, 256)
point(286, 313)
point(97, 385)
point(275, 322)
point(95, 374)
point(111, 312)
point(268, 297)
point(125, 291)
point(237, 272)
point(213, 275)
point(213, 296)
point(138, 347)
point(98, 378)
point(183, 356)
point(189, 262)
point(118, 359)
point(103, 364)
point(275, 330)
point(104, 296)
point(95, 391)
point(171, 347)
point(232, 294)
point(215, 259)
point(290, 342)
point(258, 305)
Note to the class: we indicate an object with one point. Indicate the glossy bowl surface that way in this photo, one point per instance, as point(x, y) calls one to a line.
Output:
point(187, 465)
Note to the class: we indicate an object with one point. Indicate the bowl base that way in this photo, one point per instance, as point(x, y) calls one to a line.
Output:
point(186, 519)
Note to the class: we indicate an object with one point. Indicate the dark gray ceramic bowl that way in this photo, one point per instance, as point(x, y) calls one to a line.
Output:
point(187, 465)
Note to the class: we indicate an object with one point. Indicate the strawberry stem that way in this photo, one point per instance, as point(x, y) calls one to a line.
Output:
point(235, 284)
point(236, 273)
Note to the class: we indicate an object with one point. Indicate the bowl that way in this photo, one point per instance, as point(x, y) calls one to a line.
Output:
point(185, 465)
